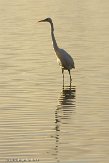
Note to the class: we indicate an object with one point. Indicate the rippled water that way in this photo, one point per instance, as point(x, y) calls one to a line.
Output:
point(40, 121)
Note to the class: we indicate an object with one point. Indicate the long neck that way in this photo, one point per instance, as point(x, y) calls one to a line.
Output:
point(53, 37)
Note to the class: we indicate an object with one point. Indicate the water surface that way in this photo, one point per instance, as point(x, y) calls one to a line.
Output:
point(40, 121)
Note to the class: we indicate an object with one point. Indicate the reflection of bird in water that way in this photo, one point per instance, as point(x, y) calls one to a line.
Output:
point(63, 113)
point(63, 58)
point(67, 102)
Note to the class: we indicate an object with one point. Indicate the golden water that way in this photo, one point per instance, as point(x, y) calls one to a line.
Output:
point(40, 121)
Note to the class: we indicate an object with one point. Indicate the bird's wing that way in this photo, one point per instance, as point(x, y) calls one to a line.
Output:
point(66, 60)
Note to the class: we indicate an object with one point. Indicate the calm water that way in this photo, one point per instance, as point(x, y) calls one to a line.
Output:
point(40, 121)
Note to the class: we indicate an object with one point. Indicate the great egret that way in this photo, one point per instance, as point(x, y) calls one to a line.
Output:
point(63, 58)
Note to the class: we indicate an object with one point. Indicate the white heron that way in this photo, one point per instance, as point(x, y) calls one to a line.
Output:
point(63, 58)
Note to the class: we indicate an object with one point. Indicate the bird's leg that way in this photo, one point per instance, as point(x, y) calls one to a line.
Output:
point(63, 76)
point(70, 76)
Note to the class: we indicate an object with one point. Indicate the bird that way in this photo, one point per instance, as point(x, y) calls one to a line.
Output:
point(64, 59)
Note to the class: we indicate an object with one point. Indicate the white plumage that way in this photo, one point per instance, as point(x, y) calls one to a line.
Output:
point(66, 60)
point(63, 58)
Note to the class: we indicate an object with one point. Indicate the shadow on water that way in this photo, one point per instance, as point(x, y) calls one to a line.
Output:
point(63, 114)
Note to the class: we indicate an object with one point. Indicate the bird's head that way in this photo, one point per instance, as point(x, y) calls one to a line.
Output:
point(46, 20)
